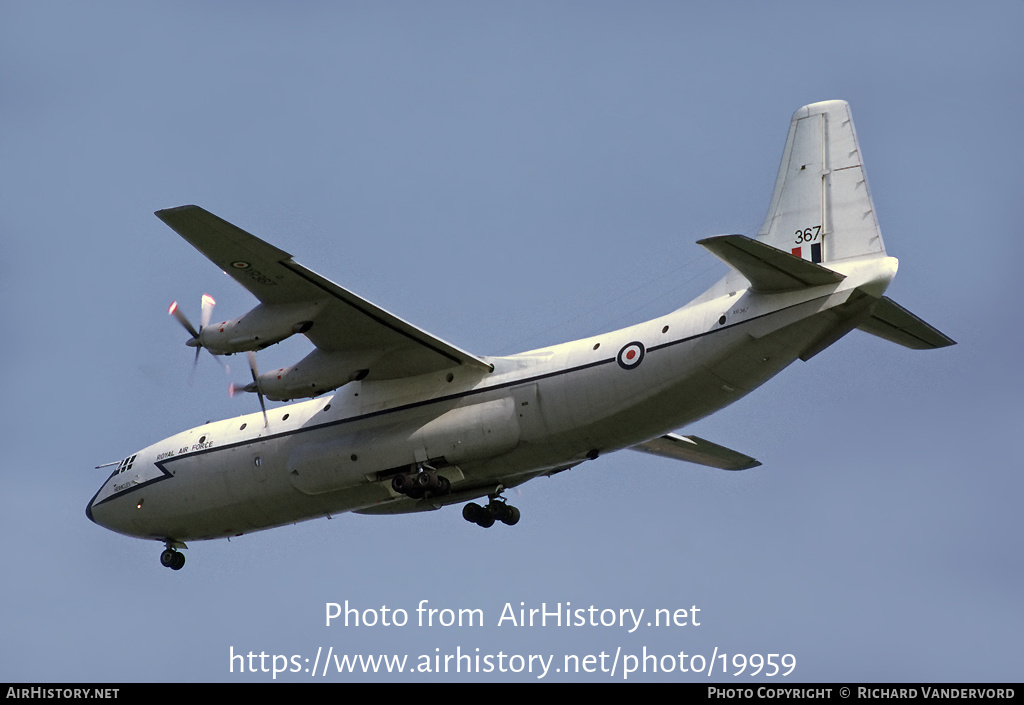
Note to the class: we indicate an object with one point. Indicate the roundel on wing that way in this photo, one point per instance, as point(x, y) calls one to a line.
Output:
point(631, 355)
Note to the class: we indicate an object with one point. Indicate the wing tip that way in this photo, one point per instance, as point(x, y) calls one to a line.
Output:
point(174, 209)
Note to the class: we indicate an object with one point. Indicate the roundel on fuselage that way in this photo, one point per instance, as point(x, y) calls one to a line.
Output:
point(631, 355)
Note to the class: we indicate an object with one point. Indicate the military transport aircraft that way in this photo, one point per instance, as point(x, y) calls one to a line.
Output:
point(397, 420)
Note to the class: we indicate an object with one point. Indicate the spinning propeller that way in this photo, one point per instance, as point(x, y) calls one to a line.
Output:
point(197, 343)
point(254, 387)
point(196, 340)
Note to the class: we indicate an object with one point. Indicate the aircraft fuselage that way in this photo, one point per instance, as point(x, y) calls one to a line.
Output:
point(536, 412)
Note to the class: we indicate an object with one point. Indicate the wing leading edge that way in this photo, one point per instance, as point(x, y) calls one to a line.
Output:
point(346, 326)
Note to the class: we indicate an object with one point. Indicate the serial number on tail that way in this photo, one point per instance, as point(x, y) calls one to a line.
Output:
point(810, 234)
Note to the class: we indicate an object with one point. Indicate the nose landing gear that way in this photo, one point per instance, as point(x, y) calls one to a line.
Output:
point(170, 557)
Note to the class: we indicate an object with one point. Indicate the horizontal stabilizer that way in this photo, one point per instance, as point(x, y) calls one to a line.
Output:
point(767, 268)
point(696, 450)
point(896, 324)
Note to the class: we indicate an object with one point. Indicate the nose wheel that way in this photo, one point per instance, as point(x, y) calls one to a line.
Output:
point(171, 558)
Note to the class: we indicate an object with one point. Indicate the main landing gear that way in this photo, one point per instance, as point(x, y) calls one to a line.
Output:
point(171, 558)
point(417, 485)
point(496, 510)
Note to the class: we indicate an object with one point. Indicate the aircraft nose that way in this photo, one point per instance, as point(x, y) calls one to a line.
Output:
point(102, 513)
point(91, 513)
point(116, 513)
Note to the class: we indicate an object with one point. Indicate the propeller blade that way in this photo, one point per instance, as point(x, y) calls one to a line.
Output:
point(256, 387)
point(176, 312)
point(223, 365)
point(196, 342)
point(195, 366)
point(208, 304)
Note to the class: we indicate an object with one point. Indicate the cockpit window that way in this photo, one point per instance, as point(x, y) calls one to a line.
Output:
point(126, 464)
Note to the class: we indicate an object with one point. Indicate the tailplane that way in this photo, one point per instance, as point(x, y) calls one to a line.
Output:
point(892, 322)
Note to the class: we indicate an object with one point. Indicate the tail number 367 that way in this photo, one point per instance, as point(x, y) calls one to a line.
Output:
point(808, 234)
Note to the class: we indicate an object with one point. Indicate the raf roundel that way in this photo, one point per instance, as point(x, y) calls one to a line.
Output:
point(631, 355)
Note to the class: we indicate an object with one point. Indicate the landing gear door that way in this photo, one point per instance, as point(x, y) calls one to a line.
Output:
point(527, 406)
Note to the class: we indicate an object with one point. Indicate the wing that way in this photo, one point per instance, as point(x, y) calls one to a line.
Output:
point(696, 450)
point(346, 324)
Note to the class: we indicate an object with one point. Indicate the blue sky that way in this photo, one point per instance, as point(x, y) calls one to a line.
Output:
point(510, 175)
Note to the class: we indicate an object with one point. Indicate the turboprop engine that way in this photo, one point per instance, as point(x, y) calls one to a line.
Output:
point(315, 374)
point(263, 326)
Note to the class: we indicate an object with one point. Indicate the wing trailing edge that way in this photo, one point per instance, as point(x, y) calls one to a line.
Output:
point(696, 450)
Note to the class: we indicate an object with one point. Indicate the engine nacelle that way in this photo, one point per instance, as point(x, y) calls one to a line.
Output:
point(315, 374)
point(265, 325)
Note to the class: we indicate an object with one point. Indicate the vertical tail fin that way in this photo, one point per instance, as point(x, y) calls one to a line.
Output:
point(821, 209)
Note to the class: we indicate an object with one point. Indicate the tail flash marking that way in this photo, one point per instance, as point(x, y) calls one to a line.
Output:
point(816, 253)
